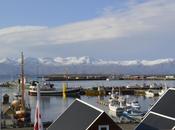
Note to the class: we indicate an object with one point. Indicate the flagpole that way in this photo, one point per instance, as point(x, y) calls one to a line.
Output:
point(38, 122)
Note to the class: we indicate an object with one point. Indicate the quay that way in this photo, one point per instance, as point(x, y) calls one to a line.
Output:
point(124, 90)
point(79, 77)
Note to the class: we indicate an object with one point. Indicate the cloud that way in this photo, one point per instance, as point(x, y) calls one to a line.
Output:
point(138, 18)
point(20, 29)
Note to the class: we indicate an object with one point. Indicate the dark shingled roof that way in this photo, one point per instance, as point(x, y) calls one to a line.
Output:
point(166, 105)
point(162, 115)
point(78, 116)
point(154, 122)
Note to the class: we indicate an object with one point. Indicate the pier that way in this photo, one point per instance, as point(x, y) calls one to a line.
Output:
point(79, 77)
point(124, 90)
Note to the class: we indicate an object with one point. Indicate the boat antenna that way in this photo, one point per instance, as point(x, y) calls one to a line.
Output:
point(22, 80)
point(66, 74)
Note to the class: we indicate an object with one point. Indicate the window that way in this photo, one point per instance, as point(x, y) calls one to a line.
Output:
point(103, 127)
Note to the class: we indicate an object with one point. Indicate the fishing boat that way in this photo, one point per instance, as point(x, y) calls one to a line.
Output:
point(118, 105)
point(162, 91)
point(22, 111)
point(151, 93)
point(114, 95)
point(133, 104)
point(48, 89)
point(134, 114)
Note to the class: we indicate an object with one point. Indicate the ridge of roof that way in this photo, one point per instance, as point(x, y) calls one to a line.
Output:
point(162, 115)
point(89, 105)
point(171, 88)
point(94, 120)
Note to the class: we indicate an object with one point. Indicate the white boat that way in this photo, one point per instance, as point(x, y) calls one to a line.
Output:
point(133, 104)
point(113, 96)
point(151, 93)
point(118, 105)
point(107, 79)
point(48, 89)
point(162, 91)
point(116, 108)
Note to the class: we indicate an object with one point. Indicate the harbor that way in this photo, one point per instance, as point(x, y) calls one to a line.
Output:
point(114, 102)
point(99, 98)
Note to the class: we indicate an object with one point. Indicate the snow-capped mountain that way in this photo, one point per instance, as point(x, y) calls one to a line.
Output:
point(11, 66)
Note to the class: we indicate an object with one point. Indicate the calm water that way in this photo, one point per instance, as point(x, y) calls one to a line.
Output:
point(52, 107)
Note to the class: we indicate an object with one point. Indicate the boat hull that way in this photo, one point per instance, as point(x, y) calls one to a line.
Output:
point(71, 92)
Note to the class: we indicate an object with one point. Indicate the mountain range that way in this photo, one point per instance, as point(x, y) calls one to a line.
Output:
point(86, 65)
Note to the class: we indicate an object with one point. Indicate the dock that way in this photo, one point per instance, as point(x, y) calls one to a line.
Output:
point(72, 77)
point(138, 90)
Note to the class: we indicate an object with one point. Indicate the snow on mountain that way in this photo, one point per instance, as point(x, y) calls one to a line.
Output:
point(156, 62)
point(8, 61)
point(4, 60)
point(46, 61)
point(122, 63)
point(86, 64)
point(72, 60)
point(86, 60)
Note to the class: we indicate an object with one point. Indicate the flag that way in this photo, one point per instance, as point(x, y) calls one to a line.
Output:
point(38, 123)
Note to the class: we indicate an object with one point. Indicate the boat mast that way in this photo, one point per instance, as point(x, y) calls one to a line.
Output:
point(22, 80)
point(66, 76)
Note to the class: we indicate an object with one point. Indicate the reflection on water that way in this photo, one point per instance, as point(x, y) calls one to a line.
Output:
point(52, 107)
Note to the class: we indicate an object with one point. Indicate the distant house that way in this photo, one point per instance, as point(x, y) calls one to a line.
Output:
point(162, 115)
point(83, 116)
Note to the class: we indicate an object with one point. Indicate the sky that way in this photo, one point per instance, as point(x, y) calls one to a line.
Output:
point(107, 29)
